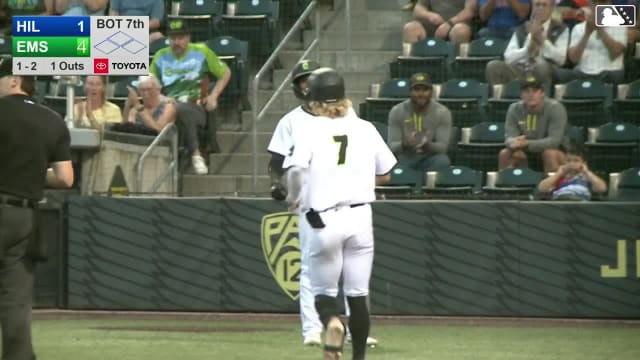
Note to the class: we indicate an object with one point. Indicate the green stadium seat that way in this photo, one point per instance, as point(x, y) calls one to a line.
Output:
point(391, 92)
point(615, 148)
point(628, 188)
point(457, 181)
point(514, 183)
point(402, 185)
point(254, 21)
point(626, 106)
point(235, 53)
point(480, 51)
point(586, 101)
point(430, 55)
point(485, 142)
point(201, 17)
point(465, 99)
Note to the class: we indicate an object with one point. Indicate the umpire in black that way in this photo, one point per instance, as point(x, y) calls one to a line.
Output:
point(33, 139)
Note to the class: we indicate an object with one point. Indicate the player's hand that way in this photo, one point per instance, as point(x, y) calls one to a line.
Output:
point(211, 103)
point(278, 192)
point(442, 31)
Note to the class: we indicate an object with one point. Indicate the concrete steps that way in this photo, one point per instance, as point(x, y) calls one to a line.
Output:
point(235, 142)
point(237, 163)
point(362, 60)
point(360, 40)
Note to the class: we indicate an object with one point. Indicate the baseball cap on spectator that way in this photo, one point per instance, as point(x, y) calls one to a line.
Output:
point(177, 26)
point(421, 79)
point(531, 81)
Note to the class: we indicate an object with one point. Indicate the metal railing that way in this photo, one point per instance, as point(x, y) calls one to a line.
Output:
point(170, 132)
point(257, 113)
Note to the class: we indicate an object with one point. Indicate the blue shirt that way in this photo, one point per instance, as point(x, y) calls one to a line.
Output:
point(502, 16)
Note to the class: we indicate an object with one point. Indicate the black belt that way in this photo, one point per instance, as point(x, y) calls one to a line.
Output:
point(17, 201)
point(336, 207)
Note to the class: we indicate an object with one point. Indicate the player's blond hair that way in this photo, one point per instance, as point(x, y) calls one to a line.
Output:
point(333, 110)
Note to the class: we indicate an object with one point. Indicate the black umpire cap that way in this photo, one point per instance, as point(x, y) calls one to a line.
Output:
point(28, 82)
point(326, 85)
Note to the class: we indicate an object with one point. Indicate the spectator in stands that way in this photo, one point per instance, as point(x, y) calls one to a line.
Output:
point(597, 52)
point(570, 11)
point(420, 128)
point(573, 180)
point(183, 69)
point(154, 9)
point(449, 20)
point(155, 111)
point(9, 8)
point(538, 46)
point(535, 125)
point(95, 111)
point(502, 17)
point(81, 7)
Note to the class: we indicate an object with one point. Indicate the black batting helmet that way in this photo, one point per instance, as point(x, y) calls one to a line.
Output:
point(301, 70)
point(325, 85)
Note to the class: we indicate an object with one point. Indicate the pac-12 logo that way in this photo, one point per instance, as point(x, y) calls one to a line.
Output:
point(616, 15)
point(100, 66)
point(281, 249)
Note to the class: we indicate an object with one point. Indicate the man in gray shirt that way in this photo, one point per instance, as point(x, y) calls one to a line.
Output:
point(420, 128)
point(534, 125)
point(447, 20)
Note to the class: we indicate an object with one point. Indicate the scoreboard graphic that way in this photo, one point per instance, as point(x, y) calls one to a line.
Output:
point(80, 45)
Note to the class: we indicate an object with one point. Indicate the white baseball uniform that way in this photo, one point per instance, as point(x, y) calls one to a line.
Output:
point(342, 157)
point(282, 142)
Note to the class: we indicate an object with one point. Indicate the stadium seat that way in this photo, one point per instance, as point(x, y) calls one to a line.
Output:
point(430, 55)
point(615, 148)
point(383, 129)
point(465, 99)
point(472, 64)
point(455, 182)
point(157, 45)
point(576, 135)
point(503, 96)
point(514, 183)
point(585, 101)
point(201, 17)
point(626, 106)
point(235, 53)
point(628, 187)
point(254, 21)
point(485, 142)
point(403, 183)
point(119, 89)
point(56, 98)
point(391, 92)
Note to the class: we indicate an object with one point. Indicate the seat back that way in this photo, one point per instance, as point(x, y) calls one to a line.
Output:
point(633, 90)
point(432, 47)
point(617, 133)
point(199, 7)
point(462, 88)
point(487, 132)
point(629, 178)
point(254, 21)
point(256, 7)
point(235, 54)
point(157, 45)
point(395, 88)
point(518, 177)
point(585, 89)
point(456, 176)
point(487, 47)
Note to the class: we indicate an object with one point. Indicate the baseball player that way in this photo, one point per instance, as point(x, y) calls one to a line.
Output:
point(281, 145)
point(338, 159)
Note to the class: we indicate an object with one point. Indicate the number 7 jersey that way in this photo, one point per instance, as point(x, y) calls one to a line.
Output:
point(342, 157)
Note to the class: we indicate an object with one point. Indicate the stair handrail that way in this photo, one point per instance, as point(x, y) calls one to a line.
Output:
point(257, 115)
point(170, 131)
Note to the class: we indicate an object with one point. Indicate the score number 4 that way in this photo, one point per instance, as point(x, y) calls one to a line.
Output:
point(82, 46)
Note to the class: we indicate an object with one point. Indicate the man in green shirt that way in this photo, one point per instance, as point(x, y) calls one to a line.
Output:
point(184, 69)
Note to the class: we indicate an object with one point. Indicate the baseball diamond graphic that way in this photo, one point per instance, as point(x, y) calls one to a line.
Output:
point(120, 40)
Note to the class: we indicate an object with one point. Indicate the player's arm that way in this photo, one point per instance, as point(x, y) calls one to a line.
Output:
point(442, 135)
point(156, 16)
point(557, 52)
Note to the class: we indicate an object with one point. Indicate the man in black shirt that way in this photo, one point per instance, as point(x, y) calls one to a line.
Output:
point(32, 139)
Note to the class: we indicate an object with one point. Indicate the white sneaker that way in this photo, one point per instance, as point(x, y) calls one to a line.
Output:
point(312, 340)
point(199, 165)
point(371, 341)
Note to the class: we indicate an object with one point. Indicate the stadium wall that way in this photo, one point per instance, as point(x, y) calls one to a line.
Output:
point(432, 258)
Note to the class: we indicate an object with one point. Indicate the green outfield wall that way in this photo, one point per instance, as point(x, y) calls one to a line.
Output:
point(431, 258)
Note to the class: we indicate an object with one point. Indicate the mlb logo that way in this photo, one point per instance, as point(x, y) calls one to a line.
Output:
point(616, 15)
point(100, 66)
